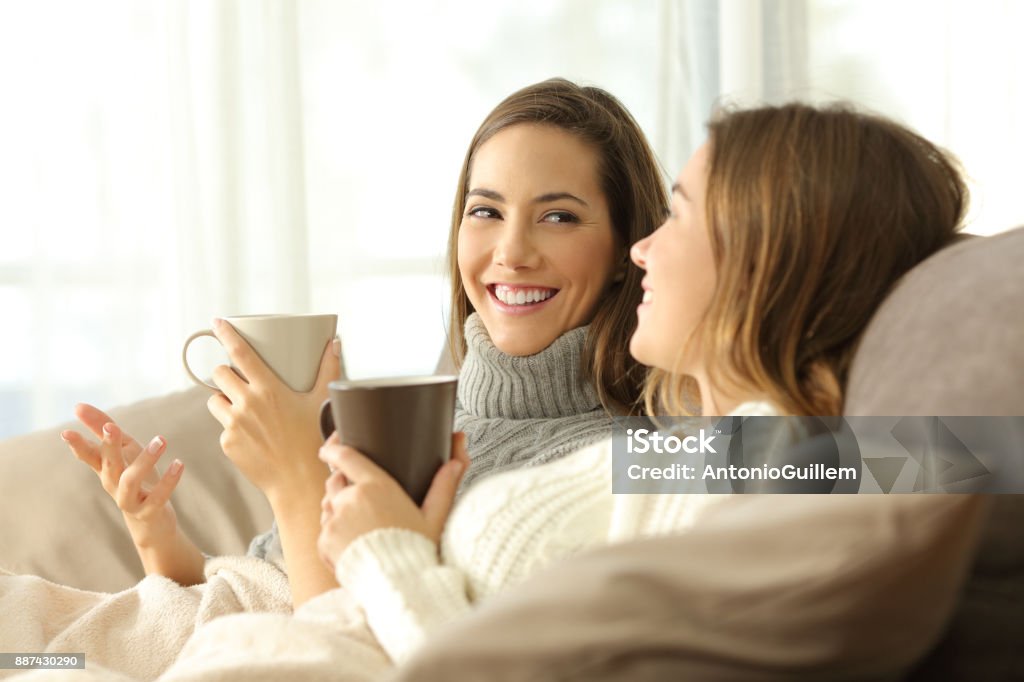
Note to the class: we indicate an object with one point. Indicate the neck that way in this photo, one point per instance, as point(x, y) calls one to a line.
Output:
point(716, 401)
point(548, 384)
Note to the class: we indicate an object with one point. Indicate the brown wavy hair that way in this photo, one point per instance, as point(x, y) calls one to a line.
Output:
point(814, 214)
point(635, 188)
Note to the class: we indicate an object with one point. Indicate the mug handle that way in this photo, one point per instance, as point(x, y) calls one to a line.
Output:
point(326, 419)
point(184, 357)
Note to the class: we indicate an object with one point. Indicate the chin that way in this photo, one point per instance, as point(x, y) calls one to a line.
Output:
point(520, 347)
point(636, 349)
point(643, 354)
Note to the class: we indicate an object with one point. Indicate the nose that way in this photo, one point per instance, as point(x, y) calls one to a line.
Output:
point(638, 252)
point(515, 248)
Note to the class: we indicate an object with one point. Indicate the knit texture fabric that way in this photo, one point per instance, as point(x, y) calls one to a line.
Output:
point(502, 531)
point(528, 410)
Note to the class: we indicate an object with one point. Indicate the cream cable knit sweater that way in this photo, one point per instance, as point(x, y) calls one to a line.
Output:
point(501, 531)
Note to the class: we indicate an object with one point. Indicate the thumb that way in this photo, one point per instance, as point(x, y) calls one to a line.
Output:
point(330, 366)
point(438, 503)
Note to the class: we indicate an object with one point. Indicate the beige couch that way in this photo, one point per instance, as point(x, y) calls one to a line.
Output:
point(950, 340)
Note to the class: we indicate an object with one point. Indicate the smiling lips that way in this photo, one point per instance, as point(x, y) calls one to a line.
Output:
point(648, 295)
point(520, 298)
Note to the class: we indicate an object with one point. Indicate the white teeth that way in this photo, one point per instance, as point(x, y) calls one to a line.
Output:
point(648, 296)
point(508, 296)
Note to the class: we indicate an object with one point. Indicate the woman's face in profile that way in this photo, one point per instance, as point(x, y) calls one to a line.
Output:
point(536, 246)
point(679, 277)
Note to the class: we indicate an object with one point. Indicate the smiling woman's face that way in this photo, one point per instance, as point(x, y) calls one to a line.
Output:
point(536, 247)
point(680, 276)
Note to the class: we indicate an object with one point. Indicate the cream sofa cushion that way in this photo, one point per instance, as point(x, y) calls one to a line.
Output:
point(60, 524)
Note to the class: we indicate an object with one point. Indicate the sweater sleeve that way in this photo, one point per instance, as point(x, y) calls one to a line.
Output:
point(397, 578)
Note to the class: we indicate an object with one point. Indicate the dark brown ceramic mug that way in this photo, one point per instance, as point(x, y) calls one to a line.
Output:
point(402, 424)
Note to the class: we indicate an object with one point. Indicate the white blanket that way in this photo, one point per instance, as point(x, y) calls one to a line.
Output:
point(238, 625)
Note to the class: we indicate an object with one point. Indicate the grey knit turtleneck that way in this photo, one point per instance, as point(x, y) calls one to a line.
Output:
point(522, 411)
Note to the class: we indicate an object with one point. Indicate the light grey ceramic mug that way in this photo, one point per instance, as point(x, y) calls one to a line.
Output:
point(291, 345)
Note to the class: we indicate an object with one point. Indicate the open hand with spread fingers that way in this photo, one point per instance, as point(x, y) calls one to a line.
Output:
point(127, 471)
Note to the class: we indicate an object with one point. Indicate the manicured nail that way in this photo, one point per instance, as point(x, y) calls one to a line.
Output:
point(336, 347)
point(155, 445)
point(175, 466)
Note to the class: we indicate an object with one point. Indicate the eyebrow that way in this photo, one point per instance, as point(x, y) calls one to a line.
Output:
point(542, 199)
point(676, 187)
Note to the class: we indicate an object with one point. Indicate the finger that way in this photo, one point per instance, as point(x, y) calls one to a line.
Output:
point(330, 366)
point(356, 466)
point(112, 460)
point(441, 496)
point(84, 450)
point(94, 418)
point(140, 469)
point(242, 355)
point(330, 451)
point(220, 407)
point(230, 384)
point(161, 492)
point(460, 449)
point(335, 482)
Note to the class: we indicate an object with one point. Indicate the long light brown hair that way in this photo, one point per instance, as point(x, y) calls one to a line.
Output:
point(635, 190)
point(814, 214)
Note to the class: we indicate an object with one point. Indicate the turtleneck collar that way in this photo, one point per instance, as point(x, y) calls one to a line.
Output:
point(546, 385)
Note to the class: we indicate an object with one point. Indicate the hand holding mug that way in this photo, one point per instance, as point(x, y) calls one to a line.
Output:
point(362, 497)
point(271, 430)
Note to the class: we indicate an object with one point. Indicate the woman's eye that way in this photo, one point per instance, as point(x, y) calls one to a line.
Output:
point(483, 212)
point(560, 217)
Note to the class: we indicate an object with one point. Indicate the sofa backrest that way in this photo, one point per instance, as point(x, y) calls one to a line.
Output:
point(950, 341)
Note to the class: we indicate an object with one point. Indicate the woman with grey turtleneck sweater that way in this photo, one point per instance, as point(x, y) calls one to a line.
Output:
point(557, 183)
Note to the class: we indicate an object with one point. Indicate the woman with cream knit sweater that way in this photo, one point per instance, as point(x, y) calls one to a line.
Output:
point(747, 310)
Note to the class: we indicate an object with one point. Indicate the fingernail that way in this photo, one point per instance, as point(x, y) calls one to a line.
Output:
point(155, 445)
point(336, 347)
point(457, 469)
point(175, 466)
point(108, 429)
point(216, 322)
point(64, 436)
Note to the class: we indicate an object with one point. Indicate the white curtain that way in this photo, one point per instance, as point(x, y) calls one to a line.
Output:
point(153, 175)
point(724, 52)
point(166, 161)
point(951, 69)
